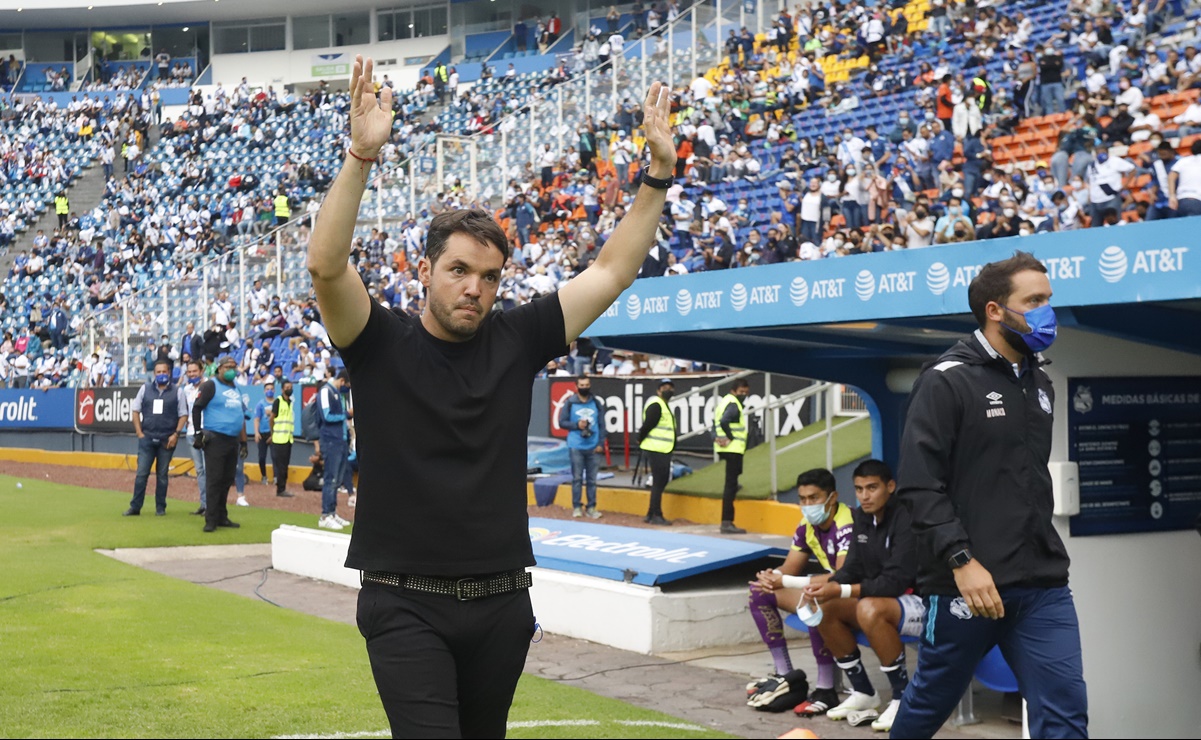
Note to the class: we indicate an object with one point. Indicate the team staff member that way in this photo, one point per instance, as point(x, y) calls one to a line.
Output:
point(730, 445)
point(262, 425)
point(283, 425)
point(974, 473)
point(194, 374)
point(584, 418)
point(220, 415)
point(335, 446)
point(441, 530)
point(873, 593)
point(159, 417)
point(824, 535)
point(657, 440)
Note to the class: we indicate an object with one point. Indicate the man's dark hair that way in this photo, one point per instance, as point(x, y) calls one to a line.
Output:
point(164, 363)
point(741, 383)
point(473, 222)
point(342, 375)
point(197, 363)
point(819, 478)
point(873, 469)
point(1195, 147)
point(994, 283)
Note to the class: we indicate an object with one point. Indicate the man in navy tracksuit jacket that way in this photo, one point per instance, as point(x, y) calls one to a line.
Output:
point(973, 471)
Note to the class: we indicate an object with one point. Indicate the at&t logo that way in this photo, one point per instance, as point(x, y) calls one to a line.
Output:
point(684, 302)
point(633, 307)
point(1113, 264)
point(741, 296)
point(865, 285)
point(938, 278)
point(738, 297)
point(798, 291)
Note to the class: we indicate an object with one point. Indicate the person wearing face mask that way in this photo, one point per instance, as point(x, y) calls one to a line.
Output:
point(954, 226)
point(824, 535)
point(1162, 160)
point(334, 437)
point(919, 227)
point(1105, 183)
point(657, 440)
point(852, 194)
point(219, 415)
point(973, 473)
point(729, 442)
point(262, 423)
point(159, 417)
point(283, 424)
point(811, 211)
point(193, 375)
point(583, 416)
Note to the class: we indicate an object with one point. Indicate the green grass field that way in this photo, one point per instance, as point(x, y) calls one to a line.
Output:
point(850, 443)
point(91, 647)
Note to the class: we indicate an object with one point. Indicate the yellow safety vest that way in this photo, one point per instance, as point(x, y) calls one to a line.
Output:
point(737, 445)
point(281, 206)
point(60, 205)
point(983, 83)
point(440, 73)
point(663, 437)
point(281, 432)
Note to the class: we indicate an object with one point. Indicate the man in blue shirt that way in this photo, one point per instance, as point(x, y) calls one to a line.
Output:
point(219, 413)
point(584, 418)
point(262, 425)
point(333, 439)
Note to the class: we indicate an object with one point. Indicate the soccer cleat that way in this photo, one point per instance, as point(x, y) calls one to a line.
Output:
point(577, 512)
point(884, 722)
point(856, 702)
point(340, 520)
point(754, 687)
point(861, 717)
point(819, 702)
point(593, 513)
point(242, 501)
point(327, 522)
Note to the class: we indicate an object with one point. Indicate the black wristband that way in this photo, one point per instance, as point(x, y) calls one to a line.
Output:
point(655, 182)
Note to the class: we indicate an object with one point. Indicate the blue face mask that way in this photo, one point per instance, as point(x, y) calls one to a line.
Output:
point(162, 378)
point(1043, 327)
point(269, 394)
point(194, 381)
point(816, 514)
point(1102, 157)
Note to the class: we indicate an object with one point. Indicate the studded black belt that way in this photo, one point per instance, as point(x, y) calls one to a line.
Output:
point(463, 589)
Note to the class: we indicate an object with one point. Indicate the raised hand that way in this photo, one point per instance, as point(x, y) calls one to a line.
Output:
point(656, 123)
point(370, 116)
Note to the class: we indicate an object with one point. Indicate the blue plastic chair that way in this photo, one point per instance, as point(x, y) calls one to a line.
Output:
point(994, 673)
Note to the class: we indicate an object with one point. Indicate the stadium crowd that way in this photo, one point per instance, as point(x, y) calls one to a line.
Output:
point(753, 185)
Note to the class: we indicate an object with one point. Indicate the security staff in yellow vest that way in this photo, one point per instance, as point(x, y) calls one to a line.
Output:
point(730, 445)
point(283, 423)
point(657, 439)
point(283, 211)
point(62, 208)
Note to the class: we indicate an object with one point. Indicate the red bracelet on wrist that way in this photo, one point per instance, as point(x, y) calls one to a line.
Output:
point(361, 159)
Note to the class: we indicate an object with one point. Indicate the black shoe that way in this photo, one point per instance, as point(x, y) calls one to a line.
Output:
point(819, 702)
point(160, 512)
point(729, 528)
point(228, 523)
point(285, 494)
point(210, 527)
point(199, 512)
point(132, 512)
point(658, 520)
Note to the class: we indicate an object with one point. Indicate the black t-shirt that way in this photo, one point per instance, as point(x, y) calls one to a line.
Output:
point(441, 430)
point(1050, 69)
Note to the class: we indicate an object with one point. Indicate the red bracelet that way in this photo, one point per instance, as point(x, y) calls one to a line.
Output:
point(361, 159)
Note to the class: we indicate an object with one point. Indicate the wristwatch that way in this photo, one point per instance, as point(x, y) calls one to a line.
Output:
point(960, 558)
point(655, 182)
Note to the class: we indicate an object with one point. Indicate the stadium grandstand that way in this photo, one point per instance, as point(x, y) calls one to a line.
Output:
point(169, 177)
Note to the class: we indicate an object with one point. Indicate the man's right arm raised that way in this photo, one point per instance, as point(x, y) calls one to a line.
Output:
point(343, 300)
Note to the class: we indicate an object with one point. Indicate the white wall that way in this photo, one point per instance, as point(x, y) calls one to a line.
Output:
point(1138, 596)
point(286, 67)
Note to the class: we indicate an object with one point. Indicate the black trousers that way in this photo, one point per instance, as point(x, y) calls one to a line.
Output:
point(281, 458)
point(660, 464)
point(733, 470)
point(264, 453)
point(220, 465)
point(445, 668)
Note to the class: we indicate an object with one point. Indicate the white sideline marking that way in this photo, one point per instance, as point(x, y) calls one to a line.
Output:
point(526, 724)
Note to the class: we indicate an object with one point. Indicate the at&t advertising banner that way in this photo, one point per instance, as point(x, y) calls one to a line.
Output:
point(1137, 442)
point(35, 409)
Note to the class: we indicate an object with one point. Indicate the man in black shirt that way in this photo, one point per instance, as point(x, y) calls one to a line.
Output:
point(441, 517)
point(1050, 81)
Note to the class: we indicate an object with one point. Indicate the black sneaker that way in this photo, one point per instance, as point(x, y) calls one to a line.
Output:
point(819, 702)
point(198, 512)
point(729, 528)
point(160, 512)
point(209, 527)
point(228, 523)
point(658, 520)
point(285, 494)
point(132, 512)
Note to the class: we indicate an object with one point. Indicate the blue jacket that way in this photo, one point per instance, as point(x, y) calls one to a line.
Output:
point(332, 413)
point(942, 147)
point(573, 410)
point(972, 148)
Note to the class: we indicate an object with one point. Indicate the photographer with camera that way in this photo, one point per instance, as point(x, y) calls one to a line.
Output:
point(584, 417)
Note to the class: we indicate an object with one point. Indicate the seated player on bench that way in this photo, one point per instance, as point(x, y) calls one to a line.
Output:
point(823, 534)
point(872, 593)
